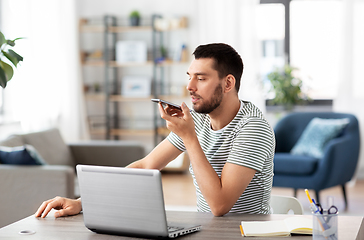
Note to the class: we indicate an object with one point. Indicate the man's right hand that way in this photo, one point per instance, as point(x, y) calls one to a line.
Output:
point(65, 207)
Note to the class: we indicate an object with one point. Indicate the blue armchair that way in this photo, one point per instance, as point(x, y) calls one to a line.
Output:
point(336, 167)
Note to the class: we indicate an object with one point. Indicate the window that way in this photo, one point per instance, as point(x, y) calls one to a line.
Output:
point(271, 34)
point(305, 34)
point(315, 44)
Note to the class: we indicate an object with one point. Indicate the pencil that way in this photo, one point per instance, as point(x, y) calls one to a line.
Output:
point(241, 230)
point(308, 195)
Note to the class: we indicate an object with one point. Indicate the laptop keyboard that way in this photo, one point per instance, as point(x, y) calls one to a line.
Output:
point(172, 229)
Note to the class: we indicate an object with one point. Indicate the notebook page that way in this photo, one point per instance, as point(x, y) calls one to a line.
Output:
point(302, 225)
point(265, 228)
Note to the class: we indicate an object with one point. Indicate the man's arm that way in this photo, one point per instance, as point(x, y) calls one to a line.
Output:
point(157, 159)
point(220, 193)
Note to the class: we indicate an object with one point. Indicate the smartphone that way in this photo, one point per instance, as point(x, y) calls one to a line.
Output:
point(164, 103)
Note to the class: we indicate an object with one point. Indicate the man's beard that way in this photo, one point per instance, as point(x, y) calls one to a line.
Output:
point(214, 102)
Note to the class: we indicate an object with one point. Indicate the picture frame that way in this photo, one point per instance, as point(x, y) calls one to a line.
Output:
point(136, 86)
point(131, 52)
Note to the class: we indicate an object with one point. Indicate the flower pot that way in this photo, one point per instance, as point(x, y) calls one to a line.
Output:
point(134, 21)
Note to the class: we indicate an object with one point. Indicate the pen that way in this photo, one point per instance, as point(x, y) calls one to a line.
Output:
point(317, 208)
point(313, 206)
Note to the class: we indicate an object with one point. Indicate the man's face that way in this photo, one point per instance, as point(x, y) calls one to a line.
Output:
point(204, 85)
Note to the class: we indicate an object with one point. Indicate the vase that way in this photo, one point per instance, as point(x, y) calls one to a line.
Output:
point(134, 21)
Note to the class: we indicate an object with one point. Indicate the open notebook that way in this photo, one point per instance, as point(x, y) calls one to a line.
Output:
point(297, 225)
point(126, 201)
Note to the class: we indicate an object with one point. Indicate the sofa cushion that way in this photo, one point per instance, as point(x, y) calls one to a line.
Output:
point(21, 155)
point(286, 163)
point(317, 134)
point(12, 141)
point(50, 146)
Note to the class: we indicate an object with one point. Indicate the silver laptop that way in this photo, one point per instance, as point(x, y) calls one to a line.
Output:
point(126, 201)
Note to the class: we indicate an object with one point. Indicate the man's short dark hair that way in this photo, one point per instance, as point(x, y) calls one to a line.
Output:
point(227, 60)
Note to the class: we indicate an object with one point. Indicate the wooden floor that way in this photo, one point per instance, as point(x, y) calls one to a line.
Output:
point(179, 193)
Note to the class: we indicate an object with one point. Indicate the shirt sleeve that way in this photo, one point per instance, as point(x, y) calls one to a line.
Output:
point(252, 145)
point(176, 141)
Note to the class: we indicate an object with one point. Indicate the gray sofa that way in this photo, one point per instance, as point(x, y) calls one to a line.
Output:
point(24, 188)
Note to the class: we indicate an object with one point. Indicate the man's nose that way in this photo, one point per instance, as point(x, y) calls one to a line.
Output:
point(191, 86)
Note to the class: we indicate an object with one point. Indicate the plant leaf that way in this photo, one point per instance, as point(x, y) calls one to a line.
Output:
point(14, 54)
point(12, 58)
point(9, 72)
point(11, 43)
point(2, 39)
point(17, 39)
point(3, 79)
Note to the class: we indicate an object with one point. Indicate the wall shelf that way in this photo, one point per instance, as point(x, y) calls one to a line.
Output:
point(113, 122)
point(120, 98)
point(133, 132)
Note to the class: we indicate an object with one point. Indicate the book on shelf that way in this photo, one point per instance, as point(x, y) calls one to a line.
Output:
point(286, 227)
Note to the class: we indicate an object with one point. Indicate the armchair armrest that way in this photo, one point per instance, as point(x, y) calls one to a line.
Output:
point(24, 188)
point(339, 162)
point(106, 153)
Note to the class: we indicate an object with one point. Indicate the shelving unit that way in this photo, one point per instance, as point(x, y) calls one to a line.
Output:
point(108, 122)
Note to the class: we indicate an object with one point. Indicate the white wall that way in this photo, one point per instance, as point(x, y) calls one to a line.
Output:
point(122, 8)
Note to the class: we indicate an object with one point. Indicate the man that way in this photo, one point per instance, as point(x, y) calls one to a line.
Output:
point(229, 143)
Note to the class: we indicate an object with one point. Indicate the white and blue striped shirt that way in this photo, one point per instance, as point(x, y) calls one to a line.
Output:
point(248, 140)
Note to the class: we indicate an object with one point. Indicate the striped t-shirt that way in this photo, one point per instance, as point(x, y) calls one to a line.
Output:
point(248, 140)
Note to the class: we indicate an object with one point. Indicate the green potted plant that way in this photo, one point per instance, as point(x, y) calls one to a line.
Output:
point(134, 18)
point(287, 87)
point(6, 69)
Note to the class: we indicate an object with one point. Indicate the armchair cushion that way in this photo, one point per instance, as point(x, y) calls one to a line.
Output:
point(315, 136)
point(21, 155)
point(288, 164)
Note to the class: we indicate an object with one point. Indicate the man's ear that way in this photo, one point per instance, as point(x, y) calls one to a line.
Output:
point(229, 83)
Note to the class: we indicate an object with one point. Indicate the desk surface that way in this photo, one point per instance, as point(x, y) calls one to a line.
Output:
point(226, 227)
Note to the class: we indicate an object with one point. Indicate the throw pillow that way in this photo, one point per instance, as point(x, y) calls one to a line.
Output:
point(22, 155)
point(317, 134)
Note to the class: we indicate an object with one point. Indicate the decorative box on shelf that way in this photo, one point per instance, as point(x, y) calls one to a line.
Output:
point(131, 51)
point(136, 86)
